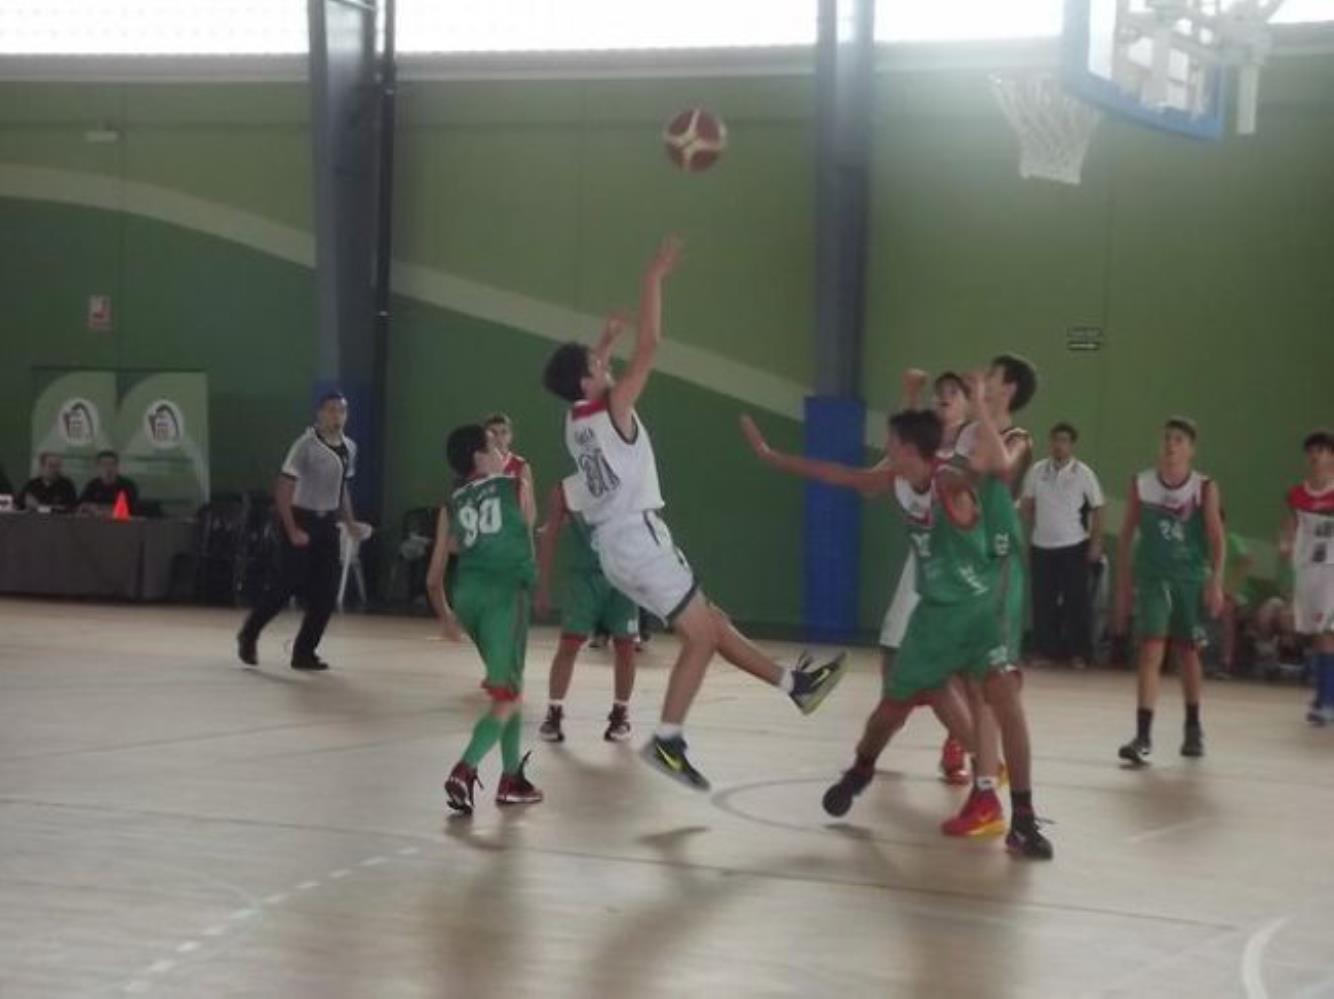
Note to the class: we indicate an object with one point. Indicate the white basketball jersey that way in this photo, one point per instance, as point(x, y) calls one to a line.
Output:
point(616, 477)
point(1313, 544)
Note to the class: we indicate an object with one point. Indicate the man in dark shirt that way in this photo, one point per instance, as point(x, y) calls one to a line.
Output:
point(50, 488)
point(99, 495)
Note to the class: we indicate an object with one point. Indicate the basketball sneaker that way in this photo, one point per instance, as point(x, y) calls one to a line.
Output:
point(247, 648)
point(618, 724)
point(1136, 752)
point(1192, 746)
point(458, 788)
point(516, 788)
point(668, 756)
point(812, 683)
point(550, 729)
point(953, 762)
point(981, 815)
point(1025, 839)
point(1319, 716)
point(838, 799)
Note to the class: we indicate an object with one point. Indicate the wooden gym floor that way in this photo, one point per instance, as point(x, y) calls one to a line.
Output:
point(173, 825)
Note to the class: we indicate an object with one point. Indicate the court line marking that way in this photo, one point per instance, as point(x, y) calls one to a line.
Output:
point(1253, 955)
point(1151, 834)
point(237, 916)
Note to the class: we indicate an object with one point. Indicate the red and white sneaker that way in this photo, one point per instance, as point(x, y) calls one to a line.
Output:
point(458, 788)
point(981, 815)
point(517, 789)
point(953, 762)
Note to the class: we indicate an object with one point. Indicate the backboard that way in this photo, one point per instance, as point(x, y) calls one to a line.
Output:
point(1170, 64)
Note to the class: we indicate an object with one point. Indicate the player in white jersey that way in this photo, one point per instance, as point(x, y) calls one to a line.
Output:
point(616, 491)
point(1308, 539)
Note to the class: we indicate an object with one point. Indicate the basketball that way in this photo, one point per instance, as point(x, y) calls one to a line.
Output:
point(695, 139)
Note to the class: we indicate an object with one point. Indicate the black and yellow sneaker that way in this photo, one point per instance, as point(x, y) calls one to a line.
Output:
point(838, 799)
point(812, 682)
point(668, 756)
point(1136, 752)
point(1025, 839)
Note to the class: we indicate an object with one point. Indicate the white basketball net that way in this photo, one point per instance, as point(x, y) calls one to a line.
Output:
point(1054, 129)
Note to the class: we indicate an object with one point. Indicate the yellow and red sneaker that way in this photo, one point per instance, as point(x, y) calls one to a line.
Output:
point(981, 815)
point(953, 762)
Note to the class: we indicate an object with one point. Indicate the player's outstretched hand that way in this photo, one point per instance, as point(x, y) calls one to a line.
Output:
point(977, 386)
point(754, 438)
point(613, 326)
point(914, 381)
point(665, 260)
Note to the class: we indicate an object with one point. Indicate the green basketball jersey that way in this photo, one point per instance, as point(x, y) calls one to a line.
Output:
point(1173, 543)
point(1004, 529)
point(954, 564)
point(493, 537)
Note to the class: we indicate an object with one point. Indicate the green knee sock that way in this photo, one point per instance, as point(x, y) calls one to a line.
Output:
point(510, 740)
point(485, 734)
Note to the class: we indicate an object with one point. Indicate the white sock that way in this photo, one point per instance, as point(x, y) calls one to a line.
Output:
point(560, 705)
point(620, 704)
point(786, 683)
point(666, 730)
point(985, 783)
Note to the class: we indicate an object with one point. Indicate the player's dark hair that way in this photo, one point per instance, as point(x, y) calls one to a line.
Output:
point(1319, 440)
point(1066, 428)
point(1019, 372)
point(920, 428)
point(1184, 424)
point(463, 444)
point(498, 419)
point(330, 396)
point(565, 371)
point(950, 378)
point(108, 453)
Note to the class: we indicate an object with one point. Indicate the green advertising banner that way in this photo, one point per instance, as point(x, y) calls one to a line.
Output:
point(73, 415)
point(157, 421)
point(162, 433)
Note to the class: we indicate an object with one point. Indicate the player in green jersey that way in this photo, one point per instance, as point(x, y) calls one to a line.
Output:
point(959, 625)
point(1175, 577)
point(488, 521)
point(590, 604)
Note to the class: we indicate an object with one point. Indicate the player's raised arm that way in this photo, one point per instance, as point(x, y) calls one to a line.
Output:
point(612, 328)
point(869, 481)
point(914, 383)
point(627, 390)
point(989, 455)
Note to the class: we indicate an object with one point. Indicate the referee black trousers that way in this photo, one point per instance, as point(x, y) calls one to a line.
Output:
point(310, 573)
point(1062, 602)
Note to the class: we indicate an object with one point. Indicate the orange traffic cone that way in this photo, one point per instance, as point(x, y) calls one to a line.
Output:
point(121, 511)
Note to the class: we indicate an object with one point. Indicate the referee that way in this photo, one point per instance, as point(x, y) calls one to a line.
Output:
point(310, 498)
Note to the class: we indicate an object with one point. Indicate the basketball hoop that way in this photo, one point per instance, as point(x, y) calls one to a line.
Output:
point(1054, 129)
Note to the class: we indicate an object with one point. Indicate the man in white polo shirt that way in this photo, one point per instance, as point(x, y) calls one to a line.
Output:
point(310, 499)
point(1062, 501)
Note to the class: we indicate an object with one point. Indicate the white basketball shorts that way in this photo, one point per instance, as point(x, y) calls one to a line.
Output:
point(639, 558)
point(1313, 600)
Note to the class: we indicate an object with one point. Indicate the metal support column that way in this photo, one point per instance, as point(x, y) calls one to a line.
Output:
point(835, 414)
point(352, 93)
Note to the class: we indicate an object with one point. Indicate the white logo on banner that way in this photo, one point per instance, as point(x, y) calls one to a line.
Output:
point(78, 422)
point(164, 424)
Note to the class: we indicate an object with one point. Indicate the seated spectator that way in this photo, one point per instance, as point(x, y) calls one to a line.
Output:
point(50, 489)
point(99, 495)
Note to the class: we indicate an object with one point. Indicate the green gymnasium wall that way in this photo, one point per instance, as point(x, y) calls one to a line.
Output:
point(525, 210)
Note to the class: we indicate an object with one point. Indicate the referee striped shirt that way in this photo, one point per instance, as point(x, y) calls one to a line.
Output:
point(320, 470)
